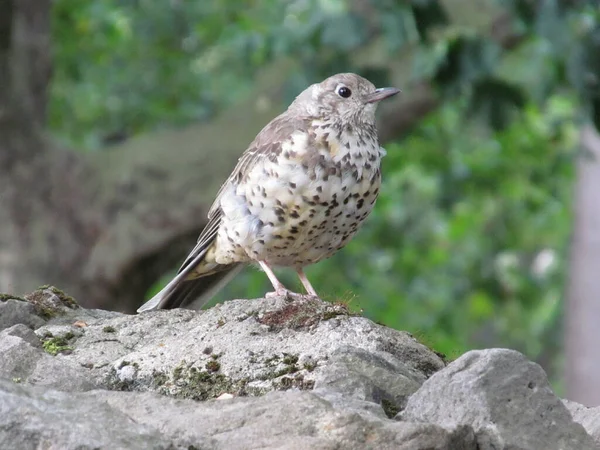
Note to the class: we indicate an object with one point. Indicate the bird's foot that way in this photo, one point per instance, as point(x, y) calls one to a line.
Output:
point(287, 295)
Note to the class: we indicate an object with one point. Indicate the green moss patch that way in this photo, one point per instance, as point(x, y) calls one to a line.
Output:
point(56, 345)
point(5, 297)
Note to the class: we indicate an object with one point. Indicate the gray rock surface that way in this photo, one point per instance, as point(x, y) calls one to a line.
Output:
point(278, 420)
point(588, 417)
point(243, 347)
point(14, 311)
point(504, 397)
point(24, 359)
point(262, 373)
point(32, 417)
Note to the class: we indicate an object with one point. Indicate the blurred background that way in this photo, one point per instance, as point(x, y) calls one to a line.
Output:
point(119, 119)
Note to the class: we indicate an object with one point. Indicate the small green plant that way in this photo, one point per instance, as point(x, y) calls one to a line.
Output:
point(213, 366)
point(56, 345)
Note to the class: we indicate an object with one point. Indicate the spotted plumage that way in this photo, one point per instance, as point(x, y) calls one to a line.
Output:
point(298, 194)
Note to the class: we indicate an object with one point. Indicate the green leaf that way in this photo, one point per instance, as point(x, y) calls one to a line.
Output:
point(467, 59)
point(584, 70)
point(399, 27)
point(496, 101)
point(428, 14)
point(525, 10)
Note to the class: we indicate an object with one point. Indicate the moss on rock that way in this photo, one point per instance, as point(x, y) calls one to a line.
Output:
point(192, 383)
point(50, 301)
point(56, 345)
point(5, 297)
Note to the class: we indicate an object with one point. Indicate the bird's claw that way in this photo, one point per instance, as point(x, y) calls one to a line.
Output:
point(288, 295)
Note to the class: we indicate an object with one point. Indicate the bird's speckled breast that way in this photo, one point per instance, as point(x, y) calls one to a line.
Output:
point(305, 204)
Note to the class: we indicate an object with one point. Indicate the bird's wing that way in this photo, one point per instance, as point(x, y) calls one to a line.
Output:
point(267, 144)
point(206, 236)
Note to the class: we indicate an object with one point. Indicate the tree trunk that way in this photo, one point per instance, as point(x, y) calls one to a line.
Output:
point(582, 333)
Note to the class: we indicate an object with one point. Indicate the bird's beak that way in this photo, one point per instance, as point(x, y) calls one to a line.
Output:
point(381, 94)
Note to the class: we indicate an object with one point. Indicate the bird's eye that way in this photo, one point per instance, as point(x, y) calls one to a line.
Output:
point(343, 91)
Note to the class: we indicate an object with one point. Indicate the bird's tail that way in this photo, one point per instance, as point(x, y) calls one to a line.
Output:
point(190, 289)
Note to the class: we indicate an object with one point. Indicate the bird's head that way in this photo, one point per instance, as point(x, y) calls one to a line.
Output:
point(345, 97)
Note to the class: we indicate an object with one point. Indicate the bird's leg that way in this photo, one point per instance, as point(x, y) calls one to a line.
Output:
point(309, 289)
point(280, 289)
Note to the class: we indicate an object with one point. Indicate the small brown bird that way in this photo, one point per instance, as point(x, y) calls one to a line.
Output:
point(298, 194)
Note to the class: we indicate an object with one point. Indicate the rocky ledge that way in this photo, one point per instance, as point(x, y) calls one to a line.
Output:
point(266, 374)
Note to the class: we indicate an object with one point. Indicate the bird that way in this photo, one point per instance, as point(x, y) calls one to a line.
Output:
point(297, 195)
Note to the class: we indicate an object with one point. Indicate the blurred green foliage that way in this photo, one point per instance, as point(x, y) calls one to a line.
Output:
point(467, 244)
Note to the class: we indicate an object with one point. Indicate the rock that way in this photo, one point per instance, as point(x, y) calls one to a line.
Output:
point(24, 333)
point(263, 373)
point(588, 417)
point(246, 347)
point(370, 377)
point(14, 311)
point(504, 397)
point(51, 301)
point(32, 417)
point(24, 359)
point(290, 420)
